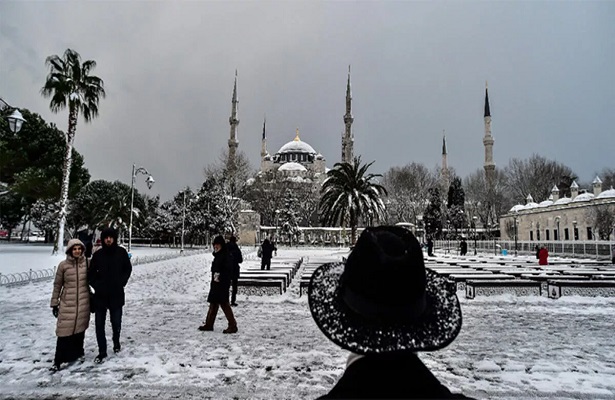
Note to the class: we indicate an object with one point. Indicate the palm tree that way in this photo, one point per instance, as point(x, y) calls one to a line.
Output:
point(349, 194)
point(69, 83)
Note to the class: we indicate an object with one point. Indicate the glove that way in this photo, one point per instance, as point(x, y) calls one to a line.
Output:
point(216, 277)
point(55, 311)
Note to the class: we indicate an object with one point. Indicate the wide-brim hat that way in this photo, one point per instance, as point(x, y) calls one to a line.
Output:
point(383, 299)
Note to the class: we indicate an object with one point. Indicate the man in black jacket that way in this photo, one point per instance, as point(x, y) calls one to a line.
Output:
point(268, 249)
point(384, 306)
point(235, 253)
point(109, 272)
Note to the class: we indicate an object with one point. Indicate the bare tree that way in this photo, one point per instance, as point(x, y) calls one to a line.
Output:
point(480, 203)
point(536, 176)
point(603, 220)
point(607, 176)
point(408, 189)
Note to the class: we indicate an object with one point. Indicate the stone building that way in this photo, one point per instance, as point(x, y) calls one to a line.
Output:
point(555, 219)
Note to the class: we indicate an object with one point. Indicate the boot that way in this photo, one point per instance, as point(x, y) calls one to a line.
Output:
point(210, 319)
point(228, 313)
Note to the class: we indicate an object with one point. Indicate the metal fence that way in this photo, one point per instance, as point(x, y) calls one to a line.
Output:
point(601, 250)
point(22, 278)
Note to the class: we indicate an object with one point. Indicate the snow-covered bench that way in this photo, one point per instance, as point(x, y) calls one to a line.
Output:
point(261, 286)
point(461, 279)
point(498, 286)
point(558, 288)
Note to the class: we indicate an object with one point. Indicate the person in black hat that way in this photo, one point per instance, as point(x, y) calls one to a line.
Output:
point(221, 270)
point(109, 272)
point(383, 306)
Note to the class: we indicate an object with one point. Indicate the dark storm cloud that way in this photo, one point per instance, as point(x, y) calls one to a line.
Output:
point(417, 68)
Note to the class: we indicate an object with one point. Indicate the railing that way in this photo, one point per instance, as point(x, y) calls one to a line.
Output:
point(602, 250)
point(22, 278)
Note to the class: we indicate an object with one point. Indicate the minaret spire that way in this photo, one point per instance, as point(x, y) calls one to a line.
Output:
point(488, 143)
point(445, 172)
point(233, 143)
point(348, 137)
point(264, 139)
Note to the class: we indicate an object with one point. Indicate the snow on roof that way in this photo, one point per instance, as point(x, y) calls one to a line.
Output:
point(597, 180)
point(295, 179)
point(296, 146)
point(292, 166)
point(517, 208)
point(563, 200)
point(530, 205)
point(545, 203)
point(583, 197)
point(607, 194)
point(574, 185)
point(555, 189)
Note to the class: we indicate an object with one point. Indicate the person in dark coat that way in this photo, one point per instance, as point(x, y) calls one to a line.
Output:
point(429, 247)
point(268, 249)
point(384, 306)
point(463, 247)
point(109, 272)
point(235, 252)
point(537, 250)
point(221, 271)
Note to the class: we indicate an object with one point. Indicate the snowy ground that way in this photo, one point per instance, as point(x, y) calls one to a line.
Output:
point(21, 257)
point(526, 347)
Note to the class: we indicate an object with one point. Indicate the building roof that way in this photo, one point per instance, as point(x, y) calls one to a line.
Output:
point(292, 166)
point(297, 146)
point(583, 197)
point(607, 194)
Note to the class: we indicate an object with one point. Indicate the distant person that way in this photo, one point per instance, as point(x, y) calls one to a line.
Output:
point(429, 247)
point(70, 304)
point(543, 256)
point(235, 253)
point(537, 250)
point(463, 247)
point(267, 253)
point(221, 270)
point(110, 270)
point(384, 306)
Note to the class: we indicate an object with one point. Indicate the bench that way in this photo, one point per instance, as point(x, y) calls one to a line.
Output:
point(498, 286)
point(558, 288)
point(461, 279)
point(261, 287)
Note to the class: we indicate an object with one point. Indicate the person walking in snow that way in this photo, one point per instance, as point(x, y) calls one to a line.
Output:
point(110, 270)
point(70, 304)
point(384, 306)
point(463, 247)
point(543, 256)
point(221, 270)
point(267, 253)
point(235, 253)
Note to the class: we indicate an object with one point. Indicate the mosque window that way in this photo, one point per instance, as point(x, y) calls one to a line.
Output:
point(566, 234)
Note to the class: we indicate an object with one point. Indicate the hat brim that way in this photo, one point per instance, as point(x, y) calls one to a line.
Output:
point(436, 328)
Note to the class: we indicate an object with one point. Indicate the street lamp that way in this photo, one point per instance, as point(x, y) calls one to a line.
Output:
point(277, 221)
point(149, 181)
point(183, 221)
point(448, 240)
point(515, 220)
point(15, 122)
point(474, 220)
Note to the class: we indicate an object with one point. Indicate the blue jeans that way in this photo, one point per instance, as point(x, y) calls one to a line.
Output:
point(116, 325)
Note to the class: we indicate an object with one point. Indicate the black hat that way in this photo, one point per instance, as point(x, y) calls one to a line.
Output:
point(383, 299)
point(108, 232)
point(219, 240)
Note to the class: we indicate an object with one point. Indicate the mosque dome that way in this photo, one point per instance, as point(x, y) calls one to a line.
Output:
point(297, 146)
point(583, 197)
point(292, 166)
point(563, 200)
point(517, 208)
point(607, 194)
point(545, 203)
point(530, 205)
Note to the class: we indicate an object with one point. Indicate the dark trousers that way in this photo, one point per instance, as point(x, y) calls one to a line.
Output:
point(266, 262)
point(69, 348)
point(234, 290)
point(116, 325)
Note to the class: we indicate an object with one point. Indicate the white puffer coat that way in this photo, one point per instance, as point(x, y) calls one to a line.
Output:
point(71, 293)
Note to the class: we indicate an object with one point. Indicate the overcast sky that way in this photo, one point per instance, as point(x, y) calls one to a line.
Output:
point(417, 69)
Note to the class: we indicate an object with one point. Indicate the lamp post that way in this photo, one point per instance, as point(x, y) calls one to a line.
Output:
point(183, 221)
point(448, 239)
point(15, 120)
point(277, 220)
point(149, 181)
point(474, 220)
point(515, 221)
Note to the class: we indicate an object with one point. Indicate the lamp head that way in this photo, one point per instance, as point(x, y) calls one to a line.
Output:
point(150, 181)
point(15, 121)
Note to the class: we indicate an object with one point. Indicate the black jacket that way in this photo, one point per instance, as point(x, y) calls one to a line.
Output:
point(235, 253)
point(268, 249)
point(390, 377)
point(222, 265)
point(109, 272)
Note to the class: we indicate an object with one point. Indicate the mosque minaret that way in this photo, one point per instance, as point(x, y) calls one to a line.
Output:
point(488, 143)
point(233, 143)
point(348, 137)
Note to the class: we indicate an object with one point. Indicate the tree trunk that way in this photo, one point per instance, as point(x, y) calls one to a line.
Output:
point(68, 159)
